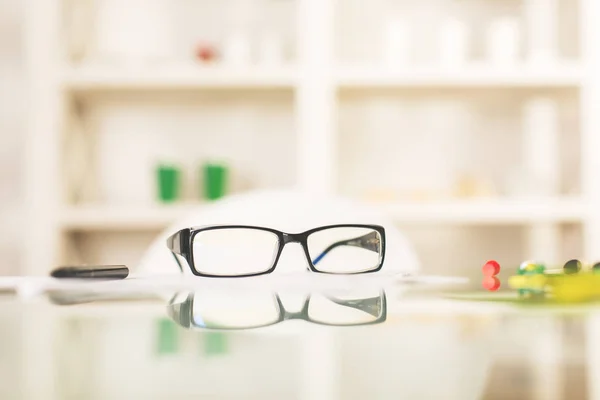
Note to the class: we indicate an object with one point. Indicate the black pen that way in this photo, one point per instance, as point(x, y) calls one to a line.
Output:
point(108, 272)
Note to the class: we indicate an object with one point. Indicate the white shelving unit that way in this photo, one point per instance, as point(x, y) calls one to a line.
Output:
point(316, 83)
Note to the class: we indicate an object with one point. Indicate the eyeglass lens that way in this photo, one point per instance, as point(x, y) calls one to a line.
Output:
point(345, 250)
point(234, 251)
point(234, 310)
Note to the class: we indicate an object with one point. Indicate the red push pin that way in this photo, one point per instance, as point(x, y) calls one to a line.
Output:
point(491, 283)
point(491, 268)
point(206, 53)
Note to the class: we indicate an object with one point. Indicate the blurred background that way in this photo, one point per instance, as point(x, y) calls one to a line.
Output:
point(473, 124)
point(464, 120)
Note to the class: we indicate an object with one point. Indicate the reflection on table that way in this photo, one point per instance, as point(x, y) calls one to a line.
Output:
point(343, 345)
point(255, 309)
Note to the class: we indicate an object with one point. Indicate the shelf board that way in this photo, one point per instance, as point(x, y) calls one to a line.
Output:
point(187, 77)
point(489, 211)
point(119, 218)
point(180, 77)
point(469, 76)
point(467, 212)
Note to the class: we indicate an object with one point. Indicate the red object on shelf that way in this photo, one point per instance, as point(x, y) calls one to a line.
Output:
point(491, 268)
point(491, 283)
point(206, 53)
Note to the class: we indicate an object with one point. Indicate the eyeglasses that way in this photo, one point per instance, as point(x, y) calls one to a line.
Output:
point(241, 251)
point(238, 311)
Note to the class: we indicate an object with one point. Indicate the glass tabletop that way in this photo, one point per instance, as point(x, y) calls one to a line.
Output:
point(262, 345)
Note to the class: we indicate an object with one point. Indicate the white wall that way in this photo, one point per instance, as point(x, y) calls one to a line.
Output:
point(12, 105)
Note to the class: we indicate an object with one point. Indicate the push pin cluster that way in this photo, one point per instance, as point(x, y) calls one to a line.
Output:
point(531, 268)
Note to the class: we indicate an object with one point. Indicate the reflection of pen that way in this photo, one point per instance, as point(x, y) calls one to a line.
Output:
point(110, 272)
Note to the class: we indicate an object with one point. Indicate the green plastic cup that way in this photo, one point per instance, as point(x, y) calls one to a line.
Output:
point(168, 183)
point(215, 181)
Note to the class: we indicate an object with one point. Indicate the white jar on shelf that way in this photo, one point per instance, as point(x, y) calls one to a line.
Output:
point(453, 43)
point(237, 49)
point(541, 145)
point(271, 49)
point(539, 172)
point(541, 19)
point(503, 41)
point(134, 31)
point(396, 49)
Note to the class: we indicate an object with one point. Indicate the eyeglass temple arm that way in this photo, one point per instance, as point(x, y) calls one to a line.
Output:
point(370, 305)
point(174, 244)
point(370, 241)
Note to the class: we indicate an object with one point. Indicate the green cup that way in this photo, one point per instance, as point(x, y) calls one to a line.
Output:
point(169, 178)
point(215, 181)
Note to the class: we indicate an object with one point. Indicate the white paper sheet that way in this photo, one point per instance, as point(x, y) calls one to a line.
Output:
point(300, 281)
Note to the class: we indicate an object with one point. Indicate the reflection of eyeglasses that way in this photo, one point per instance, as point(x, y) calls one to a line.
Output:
point(239, 251)
point(234, 312)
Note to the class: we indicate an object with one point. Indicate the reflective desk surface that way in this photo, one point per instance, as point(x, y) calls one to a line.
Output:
point(238, 345)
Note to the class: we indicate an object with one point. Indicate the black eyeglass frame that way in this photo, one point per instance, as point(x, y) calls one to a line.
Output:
point(183, 313)
point(181, 243)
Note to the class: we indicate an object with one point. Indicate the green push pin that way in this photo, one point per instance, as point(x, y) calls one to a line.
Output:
point(531, 268)
point(572, 267)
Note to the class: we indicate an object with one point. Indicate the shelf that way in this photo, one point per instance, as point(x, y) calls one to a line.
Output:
point(489, 212)
point(187, 77)
point(182, 77)
point(567, 75)
point(119, 218)
point(469, 212)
